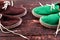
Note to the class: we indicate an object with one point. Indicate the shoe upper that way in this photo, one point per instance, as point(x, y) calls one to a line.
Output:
point(47, 9)
point(52, 19)
point(11, 10)
point(1, 5)
point(8, 20)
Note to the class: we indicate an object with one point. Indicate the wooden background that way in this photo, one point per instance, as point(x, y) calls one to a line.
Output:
point(31, 26)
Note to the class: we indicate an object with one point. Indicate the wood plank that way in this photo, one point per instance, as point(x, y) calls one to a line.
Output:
point(31, 26)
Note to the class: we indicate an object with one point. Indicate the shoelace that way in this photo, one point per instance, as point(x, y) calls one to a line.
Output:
point(9, 31)
point(58, 27)
point(52, 5)
point(6, 4)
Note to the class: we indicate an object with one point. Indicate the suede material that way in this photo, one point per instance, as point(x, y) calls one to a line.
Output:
point(9, 20)
point(46, 10)
point(13, 11)
point(1, 5)
point(52, 19)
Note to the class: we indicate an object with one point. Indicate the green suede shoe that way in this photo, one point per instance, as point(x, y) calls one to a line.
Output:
point(46, 10)
point(50, 21)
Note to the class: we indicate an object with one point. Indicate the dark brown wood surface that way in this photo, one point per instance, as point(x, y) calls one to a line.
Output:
point(31, 26)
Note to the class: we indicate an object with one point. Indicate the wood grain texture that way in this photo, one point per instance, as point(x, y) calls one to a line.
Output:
point(31, 26)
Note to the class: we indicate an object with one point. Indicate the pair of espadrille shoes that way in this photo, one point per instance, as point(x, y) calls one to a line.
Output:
point(49, 15)
point(10, 16)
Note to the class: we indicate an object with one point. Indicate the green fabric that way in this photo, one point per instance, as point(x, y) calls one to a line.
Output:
point(45, 10)
point(50, 19)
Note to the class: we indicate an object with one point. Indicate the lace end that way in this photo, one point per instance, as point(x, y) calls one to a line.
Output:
point(40, 4)
point(12, 3)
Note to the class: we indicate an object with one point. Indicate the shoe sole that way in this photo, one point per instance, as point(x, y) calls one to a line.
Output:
point(47, 25)
point(15, 25)
point(36, 15)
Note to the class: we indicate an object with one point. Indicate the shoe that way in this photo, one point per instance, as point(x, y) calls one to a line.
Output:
point(46, 10)
point(10, 21)
point(50, 21)
point(7, 8)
